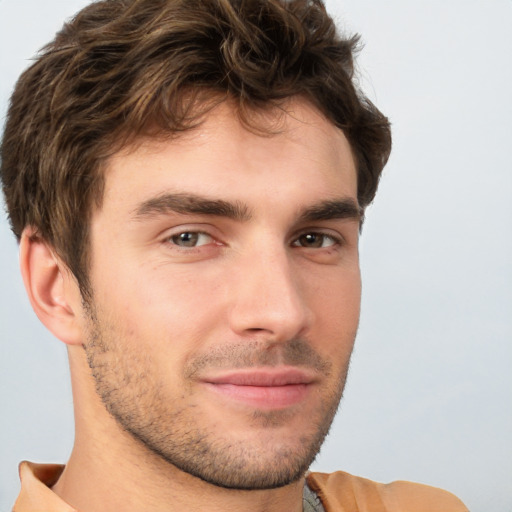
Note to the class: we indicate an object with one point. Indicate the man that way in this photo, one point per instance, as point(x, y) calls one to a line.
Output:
point(187, 180)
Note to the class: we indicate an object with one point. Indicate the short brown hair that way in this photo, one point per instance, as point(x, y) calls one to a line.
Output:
point(122, 69)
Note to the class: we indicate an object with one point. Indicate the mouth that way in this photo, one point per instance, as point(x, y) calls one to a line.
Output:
point(263, 388)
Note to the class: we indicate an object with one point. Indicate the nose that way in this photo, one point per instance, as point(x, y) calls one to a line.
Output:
point(269, 298)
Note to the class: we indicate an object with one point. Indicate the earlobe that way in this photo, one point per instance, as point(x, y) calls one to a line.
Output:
point(52, 291)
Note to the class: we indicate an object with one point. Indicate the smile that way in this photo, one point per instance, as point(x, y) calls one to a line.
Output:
point(263, 388)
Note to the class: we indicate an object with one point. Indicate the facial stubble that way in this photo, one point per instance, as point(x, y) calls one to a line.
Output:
point(172, 428)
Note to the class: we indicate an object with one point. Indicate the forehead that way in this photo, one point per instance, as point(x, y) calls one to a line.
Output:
point(295, 145)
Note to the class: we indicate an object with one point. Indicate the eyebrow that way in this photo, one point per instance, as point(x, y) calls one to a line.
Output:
point(191, 204)
point(342, 208)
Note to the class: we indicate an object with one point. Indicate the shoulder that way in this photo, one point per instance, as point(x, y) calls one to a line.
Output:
point(342, 492)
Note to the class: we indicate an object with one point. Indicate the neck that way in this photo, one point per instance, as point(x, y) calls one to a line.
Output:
point(93, 483)
point(110, 470)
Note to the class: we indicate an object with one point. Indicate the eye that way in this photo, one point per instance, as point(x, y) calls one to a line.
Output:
point(315, 241)
point(190, 239)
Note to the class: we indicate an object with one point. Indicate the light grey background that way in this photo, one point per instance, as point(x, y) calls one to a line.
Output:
point(429, 397)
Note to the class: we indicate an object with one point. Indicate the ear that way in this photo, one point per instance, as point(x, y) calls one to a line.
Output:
point(51, 288)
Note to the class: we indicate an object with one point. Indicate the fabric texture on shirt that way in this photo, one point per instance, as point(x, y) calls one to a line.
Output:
point(333, 492)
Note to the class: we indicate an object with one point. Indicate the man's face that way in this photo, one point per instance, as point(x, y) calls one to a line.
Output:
point(226, 294)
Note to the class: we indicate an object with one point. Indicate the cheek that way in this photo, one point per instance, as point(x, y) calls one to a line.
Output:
point(162, 308)
point(336, 312)
point(336, 295)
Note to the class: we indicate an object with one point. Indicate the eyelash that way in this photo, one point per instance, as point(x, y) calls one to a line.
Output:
point(196, 236)
point(335, 240)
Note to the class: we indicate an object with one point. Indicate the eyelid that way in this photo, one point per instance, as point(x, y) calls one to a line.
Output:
point(199, 229)
point(338, 239)
point(200, 238)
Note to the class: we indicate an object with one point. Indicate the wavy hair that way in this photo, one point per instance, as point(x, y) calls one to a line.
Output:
point(123, 69)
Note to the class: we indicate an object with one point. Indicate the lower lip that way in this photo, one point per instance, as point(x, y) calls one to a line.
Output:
point(263, 397)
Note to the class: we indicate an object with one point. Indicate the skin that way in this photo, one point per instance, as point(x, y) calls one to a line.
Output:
point(210, 362)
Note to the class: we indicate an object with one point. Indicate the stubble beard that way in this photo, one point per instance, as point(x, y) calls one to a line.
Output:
point(127, 387)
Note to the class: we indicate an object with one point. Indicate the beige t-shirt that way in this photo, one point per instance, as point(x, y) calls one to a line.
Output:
point(341, 492)
point(338, 492)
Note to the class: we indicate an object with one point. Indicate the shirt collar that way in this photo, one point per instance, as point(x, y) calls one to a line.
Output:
point(36, 494)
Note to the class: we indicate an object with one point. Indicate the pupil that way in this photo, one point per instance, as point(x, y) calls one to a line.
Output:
point(311, 239)
point(187, 239)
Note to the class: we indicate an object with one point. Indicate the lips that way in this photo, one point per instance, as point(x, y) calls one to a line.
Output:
point(268, 388)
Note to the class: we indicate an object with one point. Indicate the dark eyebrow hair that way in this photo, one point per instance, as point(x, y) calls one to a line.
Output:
point(191, 204)
point(344, 208)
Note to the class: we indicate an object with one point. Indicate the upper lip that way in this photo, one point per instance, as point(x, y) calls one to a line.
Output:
point(264, 377)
